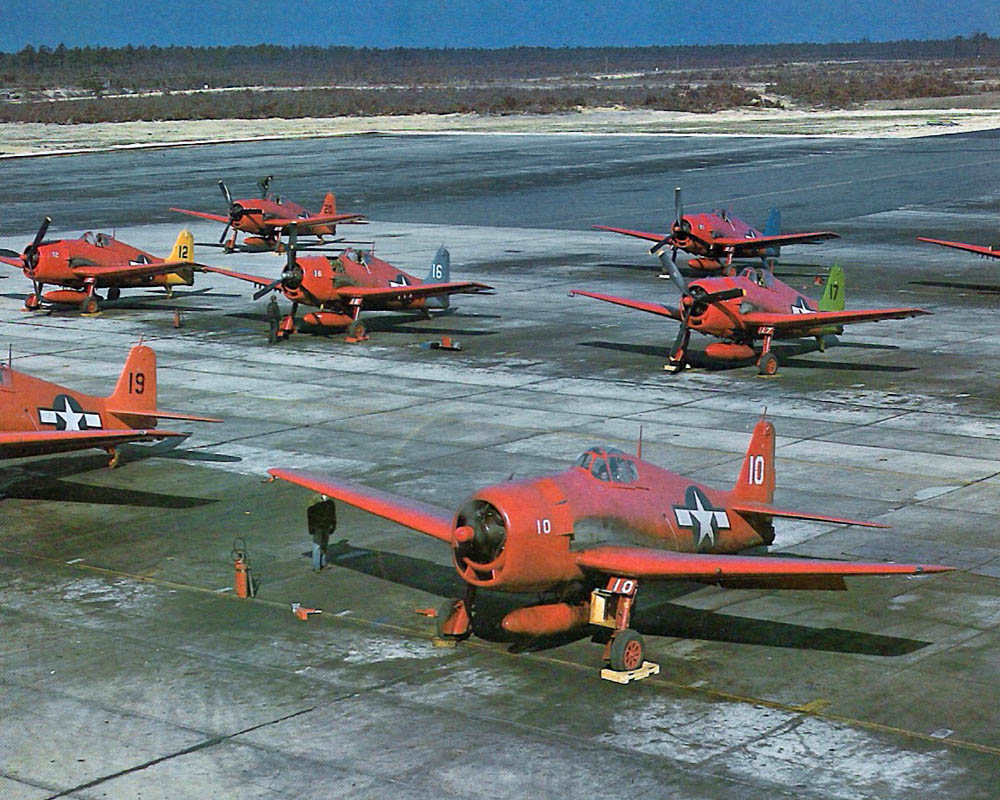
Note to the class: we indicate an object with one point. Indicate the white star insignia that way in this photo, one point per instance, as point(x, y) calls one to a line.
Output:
point(701, 517)
point(67, 415)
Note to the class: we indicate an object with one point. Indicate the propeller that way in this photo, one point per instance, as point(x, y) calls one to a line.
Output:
point(291, 275)
point(30, 254)
point(694, 301)
point(678, 230)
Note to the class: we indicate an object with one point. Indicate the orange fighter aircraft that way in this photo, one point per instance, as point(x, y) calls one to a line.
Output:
point(987, 251)
point(38, 417)
point(267, 216)
point(343, 286)
point(82, 266)
point(715, 239)
point(751, 306)
point(587, 537)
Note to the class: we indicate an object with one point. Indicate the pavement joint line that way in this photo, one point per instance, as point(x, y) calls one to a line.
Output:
point(807, 709)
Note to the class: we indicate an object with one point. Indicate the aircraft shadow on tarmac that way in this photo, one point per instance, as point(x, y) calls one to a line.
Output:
point(43, 479)
point(385, 323)
point(986, 288)
point(786, 353)
point(655, 614)
point(122, 304)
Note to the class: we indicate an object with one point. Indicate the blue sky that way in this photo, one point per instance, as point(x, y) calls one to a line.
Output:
point(485, 23)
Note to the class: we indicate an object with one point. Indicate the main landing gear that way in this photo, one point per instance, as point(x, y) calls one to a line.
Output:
point(767, 364)
point(611, 607)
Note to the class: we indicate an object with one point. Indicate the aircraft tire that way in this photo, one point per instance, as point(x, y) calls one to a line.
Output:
point(32, 303)
point(89, 305)
point(768, 365)
point(114, 292)
point(356, 330)
point(628, 651)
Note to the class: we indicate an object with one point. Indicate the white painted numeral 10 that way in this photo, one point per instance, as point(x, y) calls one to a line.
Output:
point(543, 526)
point(622, 585)
point(756, 471)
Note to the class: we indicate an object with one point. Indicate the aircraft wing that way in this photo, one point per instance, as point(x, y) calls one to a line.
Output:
point(133, 270)
point(305, 223)
point(15, 444)
point(644, 562)
point(811, 320)
point(422, 517)
point(255, 279)
point(407, 292)
point(777, 240)
point(650, 237)
point(982, 250)
point(203, 214)
point(641, 305)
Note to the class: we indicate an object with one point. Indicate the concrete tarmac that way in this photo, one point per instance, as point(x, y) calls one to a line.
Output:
point(130, 670)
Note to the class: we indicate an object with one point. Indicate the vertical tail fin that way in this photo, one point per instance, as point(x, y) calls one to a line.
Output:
point(329, 208)
point(440, 273)
point(135, 392)
point(756, 480)
point(833, 294)
point(183, 247)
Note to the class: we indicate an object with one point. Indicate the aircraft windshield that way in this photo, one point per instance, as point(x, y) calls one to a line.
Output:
point(609, 464)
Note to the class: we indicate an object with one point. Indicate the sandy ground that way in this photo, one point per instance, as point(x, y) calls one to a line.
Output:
point(23, 139)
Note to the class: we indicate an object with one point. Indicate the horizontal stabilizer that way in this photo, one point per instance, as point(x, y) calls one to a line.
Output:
point(158, 414)
point(765, 510)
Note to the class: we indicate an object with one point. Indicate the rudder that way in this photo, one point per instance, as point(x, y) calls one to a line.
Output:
point(135, 391)
point(440, 273)
point(183, 247)
point(329, 208)
point(756, 480)
point(833, 294)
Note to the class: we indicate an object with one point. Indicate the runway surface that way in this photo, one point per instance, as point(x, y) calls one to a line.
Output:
point(130, 670)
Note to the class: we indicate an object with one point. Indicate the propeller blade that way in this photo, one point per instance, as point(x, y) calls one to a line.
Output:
point(42, 231)
point(718, 297)
point(225, 232)
point(225, 193)
point(655, 249)
point(670, 268)
point(678, 353)
point(678, 206)
point(269, 288)
point(8, 253)
point(293, 239)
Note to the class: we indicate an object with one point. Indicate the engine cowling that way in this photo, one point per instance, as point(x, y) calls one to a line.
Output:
point(510, 537)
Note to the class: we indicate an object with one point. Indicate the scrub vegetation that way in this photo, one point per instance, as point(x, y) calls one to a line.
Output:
point(72, 85)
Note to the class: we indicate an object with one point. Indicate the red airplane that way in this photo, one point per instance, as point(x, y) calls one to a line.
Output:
point(38, 417)
point(267, 216)
point(715, 239)
point(82, 266)
point(753, 305)
point(587, 537)
point(987, 251)
point(342, 287)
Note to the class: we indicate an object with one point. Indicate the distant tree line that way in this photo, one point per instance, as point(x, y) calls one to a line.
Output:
point(247, 104)
point(153, 67)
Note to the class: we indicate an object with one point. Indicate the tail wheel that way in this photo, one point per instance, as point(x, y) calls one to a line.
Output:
point(628, 651)
point(89, 305)
point(32, 303)
point(768, 364)
point(115, 292)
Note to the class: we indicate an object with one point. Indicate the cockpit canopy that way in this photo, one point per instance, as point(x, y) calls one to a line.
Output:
point(609, 464)
point(759, 275)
